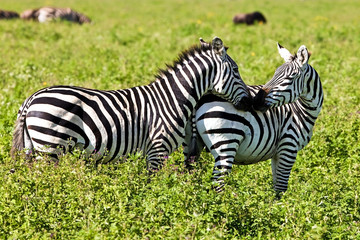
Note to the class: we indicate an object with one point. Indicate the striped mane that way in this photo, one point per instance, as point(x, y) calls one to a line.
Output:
point(183, 56)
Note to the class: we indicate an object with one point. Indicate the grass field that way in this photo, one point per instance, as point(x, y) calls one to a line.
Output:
point(124, 47)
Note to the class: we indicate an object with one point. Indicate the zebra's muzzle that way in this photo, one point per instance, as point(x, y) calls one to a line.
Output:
point(244, 104)
point(259, 101)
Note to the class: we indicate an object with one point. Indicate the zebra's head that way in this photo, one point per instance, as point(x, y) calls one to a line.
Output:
point(227, 82)
point(288, 82)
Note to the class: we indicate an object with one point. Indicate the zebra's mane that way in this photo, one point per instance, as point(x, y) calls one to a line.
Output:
point(184, 56)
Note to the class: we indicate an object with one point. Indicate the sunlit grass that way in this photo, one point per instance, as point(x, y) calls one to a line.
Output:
point(124, 47)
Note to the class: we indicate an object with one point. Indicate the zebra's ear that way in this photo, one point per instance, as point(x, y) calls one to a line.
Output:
point(203, 43)
point(284, 53)
point(302, 56)
point(218, 47)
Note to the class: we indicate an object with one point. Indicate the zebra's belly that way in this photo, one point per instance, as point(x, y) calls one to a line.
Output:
point(243, 159)
point(250, 154)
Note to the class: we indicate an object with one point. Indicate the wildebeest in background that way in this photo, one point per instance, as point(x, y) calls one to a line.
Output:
point(8, 14)
point(46, 14)
point(249, 18)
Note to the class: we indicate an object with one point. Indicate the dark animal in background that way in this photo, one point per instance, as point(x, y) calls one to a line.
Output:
point(8, 14)
point(46, 14)
point(249, 18)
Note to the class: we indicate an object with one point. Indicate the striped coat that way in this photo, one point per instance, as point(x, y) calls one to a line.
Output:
point(112, 124)
point(286, 109)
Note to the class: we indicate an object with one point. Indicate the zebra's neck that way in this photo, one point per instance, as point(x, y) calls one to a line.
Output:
point(312, 100)
point(185, 83)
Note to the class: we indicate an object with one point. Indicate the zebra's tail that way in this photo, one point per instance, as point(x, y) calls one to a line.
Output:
point(19, 136)
point(193, 149)
point(196, 144)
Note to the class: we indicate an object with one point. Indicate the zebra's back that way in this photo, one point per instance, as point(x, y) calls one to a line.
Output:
point(249, 135)
point(96, 121)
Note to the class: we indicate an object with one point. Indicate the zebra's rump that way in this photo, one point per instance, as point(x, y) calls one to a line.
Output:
point(247, 135)
point(98, 121)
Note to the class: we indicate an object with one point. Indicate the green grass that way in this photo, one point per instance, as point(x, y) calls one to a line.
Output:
point(124, 47)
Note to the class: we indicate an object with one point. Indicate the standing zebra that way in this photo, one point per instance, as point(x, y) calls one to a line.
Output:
point(113, 124)
point(289, 105)
point(46, 14)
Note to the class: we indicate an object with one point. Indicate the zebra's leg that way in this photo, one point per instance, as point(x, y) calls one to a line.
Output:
point(224, 154)
point(281, 166)
point(195, 148)
point(153, 164)
point(155, 156)
point(192, 144)
point(187, 142)
point(53, 151)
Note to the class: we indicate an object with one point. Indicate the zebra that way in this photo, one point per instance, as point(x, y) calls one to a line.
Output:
point(281, 124)
point(46, 14)
point(150, 119)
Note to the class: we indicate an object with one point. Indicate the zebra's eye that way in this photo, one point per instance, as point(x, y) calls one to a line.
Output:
point(292, 75)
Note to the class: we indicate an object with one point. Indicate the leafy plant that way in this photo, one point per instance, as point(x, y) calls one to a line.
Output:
point(124, 47)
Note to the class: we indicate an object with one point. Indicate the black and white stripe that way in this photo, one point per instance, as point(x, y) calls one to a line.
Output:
point(290, 104)
point(112, 124)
